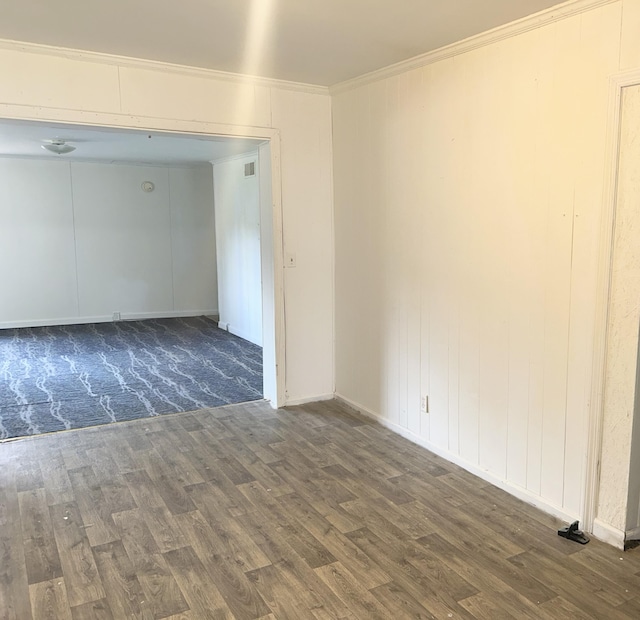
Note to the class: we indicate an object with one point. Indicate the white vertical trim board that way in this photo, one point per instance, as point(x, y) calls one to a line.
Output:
point(519, 492)
point(605, 264)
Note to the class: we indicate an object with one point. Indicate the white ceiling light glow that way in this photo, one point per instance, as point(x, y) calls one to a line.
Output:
point(57, 146)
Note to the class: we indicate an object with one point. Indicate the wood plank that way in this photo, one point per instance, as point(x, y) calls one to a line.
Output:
point(338, 544)
point(597, 594)
point(219, 565)
point(291, 569)
point(483, 608)
point(81, 576)
point(14, 585)
point(247, 554)
point(305, 545)
point(157, 516)
point(56, 479)
point(399, 603)
point(95, 513)
point(95, 610)
point(278, 594)
point(202, 595)
point(49, 600)
point(126, 597)
point(361, 602)
point(41, 554)
point(158, 584)
point(421, 587)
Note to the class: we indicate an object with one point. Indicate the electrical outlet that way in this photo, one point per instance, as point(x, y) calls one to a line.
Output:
point(116, 316)
point(424, 404)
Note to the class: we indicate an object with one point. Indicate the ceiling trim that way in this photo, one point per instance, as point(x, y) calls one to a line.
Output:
point(512, 29)
point(155, 65)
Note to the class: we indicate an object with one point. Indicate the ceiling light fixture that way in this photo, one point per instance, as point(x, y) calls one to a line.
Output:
point(60, 147)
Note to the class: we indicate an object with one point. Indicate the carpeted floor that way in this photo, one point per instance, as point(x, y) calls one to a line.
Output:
point(56, 378)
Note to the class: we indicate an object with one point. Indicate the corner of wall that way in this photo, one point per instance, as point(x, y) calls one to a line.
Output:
point(608, 534)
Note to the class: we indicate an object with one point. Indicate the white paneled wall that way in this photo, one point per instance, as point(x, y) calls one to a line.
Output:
point(123, 240)
point(192, 230)
point(37, 253)
point(81, 241)
point(237, 213)
point(308, 235)
point(468, 198)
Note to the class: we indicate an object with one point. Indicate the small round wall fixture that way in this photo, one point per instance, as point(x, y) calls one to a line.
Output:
point(58, 146)
point(148, 186)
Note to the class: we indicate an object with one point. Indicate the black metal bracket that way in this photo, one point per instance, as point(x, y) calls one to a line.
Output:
point(573, 533)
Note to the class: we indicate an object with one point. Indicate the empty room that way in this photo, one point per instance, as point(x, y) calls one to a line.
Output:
point(120, 275)
point(422, 220)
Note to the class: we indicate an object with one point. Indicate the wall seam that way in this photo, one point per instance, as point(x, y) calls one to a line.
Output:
point(75, 239)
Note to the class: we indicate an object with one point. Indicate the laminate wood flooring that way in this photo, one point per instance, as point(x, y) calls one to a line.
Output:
point(310, 512)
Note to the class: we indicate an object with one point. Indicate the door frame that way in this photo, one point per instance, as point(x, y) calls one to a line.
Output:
point(277, 390)
point(617, 84)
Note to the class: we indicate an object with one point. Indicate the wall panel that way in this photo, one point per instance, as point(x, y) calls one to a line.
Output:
point(187, 97)
point(304, 121)
point(81, 241)
point(37, 254)
point(237, 215)
point(193, 239)
point(123, 239)
point(57, 82)
point(484, 184)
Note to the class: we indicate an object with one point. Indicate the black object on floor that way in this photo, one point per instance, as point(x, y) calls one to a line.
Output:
point(73, 376)
point(573, 533)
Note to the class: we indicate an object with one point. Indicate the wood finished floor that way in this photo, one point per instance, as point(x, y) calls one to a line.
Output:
point(245, 512)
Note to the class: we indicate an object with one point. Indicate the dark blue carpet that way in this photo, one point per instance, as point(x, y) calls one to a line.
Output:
point(56, 378)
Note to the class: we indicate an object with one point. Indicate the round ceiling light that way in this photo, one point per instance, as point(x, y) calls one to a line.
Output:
point(57, 146)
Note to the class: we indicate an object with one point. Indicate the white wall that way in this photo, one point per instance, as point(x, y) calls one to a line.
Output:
point(195, 280)
point(93, 243)
point(237, 215)
point(37, 253)
point(51, 84)
point(468, 196)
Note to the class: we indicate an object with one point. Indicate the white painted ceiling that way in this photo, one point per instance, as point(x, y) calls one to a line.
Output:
point(24, 139)
point(314, 41)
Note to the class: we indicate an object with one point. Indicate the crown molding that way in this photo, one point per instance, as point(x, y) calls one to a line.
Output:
point(512, 29)
point(155, 65)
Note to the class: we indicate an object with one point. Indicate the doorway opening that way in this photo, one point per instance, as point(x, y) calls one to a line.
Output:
point(111, 303)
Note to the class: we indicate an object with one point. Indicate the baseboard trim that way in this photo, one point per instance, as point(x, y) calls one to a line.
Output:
point(633, 534)
point(505, 485)
point(310, 399)
point(125, 316)
point(240, 333)
point(608, 534)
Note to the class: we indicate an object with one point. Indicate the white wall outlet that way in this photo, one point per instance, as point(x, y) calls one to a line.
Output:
point(424, 404)
point(116, 316)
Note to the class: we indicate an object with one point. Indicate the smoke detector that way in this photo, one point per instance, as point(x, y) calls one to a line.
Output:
point(58, 146)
